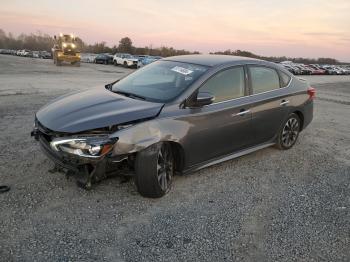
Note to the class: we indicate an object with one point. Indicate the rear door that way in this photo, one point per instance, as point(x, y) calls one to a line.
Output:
point(270, 101)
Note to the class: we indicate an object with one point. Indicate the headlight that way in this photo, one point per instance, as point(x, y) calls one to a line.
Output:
point(64, 45)
point(73, 45)
point(90, 147)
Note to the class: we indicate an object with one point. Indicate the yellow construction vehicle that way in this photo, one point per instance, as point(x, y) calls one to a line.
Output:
point(65, 49)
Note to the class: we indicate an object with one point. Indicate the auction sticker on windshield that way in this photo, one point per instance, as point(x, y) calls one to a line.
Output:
point(182, 70)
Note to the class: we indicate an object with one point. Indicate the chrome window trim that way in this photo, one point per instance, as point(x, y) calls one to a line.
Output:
point(230, 100)
point(273, 89)
point(246, 76)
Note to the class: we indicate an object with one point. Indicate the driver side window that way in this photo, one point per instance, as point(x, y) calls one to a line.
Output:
point(226, 85)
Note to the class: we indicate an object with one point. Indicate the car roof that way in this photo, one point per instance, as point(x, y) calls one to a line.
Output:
point(209, 60)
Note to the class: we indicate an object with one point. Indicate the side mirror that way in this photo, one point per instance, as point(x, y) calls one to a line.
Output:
point(203, 99)
point(109, 86)
point(54, 37)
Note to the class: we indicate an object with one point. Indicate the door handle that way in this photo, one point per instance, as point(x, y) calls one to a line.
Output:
point(284, 102)
point(242, 112)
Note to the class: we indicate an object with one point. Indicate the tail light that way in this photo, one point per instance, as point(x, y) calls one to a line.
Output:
point(311, 92)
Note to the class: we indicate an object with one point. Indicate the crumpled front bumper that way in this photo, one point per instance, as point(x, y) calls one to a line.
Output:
point(85, 170)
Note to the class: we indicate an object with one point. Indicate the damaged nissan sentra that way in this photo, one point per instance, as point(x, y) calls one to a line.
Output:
point(174, 116)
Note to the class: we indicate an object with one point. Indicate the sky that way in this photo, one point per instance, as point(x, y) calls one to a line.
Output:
point(298, 28)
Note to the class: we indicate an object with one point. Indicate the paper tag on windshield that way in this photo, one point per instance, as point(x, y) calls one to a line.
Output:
point(182, 70)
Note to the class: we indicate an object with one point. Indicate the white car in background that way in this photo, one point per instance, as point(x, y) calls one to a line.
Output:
point(36, 54)
point(126, 60)
point(87, 57)
point(25, 52)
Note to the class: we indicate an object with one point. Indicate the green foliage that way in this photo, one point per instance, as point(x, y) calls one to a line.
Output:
point(125, 45)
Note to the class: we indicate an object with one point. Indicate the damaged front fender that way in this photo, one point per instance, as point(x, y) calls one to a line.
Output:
point(142, 135)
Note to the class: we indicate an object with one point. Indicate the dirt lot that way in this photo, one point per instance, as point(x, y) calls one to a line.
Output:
point(266, 206)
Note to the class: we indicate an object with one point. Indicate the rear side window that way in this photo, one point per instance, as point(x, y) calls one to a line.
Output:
point(263, 79)
point(226, 85)
point(284, 79)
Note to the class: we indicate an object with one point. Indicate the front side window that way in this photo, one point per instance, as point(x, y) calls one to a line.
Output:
point(160, 81)
point(226, 85)
point(263, 79)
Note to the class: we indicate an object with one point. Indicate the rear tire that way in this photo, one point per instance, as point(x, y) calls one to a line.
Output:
point(289, 133)
point(154, 167)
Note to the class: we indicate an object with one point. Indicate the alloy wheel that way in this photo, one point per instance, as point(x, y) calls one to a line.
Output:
point(165, 167)
point(290, 132)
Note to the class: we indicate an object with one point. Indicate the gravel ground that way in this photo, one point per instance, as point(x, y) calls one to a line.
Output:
point(267, 206)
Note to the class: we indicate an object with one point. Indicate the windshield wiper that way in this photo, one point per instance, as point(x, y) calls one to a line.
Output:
point(131, 95)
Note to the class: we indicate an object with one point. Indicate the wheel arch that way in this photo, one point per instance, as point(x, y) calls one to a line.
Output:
point(301, 117)
point(179, 155)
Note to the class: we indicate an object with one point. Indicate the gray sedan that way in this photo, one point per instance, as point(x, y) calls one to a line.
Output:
point(174, 116)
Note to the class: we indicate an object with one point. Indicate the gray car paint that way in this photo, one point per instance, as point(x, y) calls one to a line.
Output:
point(93, 109)
point(215, 130)
point(202, 134)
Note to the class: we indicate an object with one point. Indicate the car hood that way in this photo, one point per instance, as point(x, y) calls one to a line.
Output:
point(95, 108)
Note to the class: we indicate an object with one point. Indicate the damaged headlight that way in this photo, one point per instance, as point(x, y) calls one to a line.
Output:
point(91, 147)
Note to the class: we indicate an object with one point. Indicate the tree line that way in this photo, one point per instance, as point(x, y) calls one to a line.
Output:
point(277, 59)
point(41, 41)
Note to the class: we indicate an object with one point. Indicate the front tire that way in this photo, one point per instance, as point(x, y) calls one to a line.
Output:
point(289, 133)
point(154, 167)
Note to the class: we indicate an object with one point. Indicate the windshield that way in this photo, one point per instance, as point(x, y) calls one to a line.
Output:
point(160, 81)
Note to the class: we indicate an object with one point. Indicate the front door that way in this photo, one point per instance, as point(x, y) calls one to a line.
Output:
point(224, 126)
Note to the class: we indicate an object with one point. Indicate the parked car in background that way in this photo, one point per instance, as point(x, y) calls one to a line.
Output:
point(342, 71)
point(317, 70)
point(294, 70)
point(23, 52)
point(330, 70)
point(303, 69)
point(36, 54)
point(149, 59)
point(29, 53)
point(45, 55)
point(176, 115)
point(87, 57)
point(6, 51)
point(126, 60)
point(103, 59)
